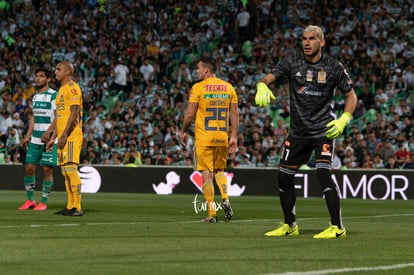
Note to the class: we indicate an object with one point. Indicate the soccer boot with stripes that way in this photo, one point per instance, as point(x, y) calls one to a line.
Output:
point(63, 212)
point(332, 232)
point(75, 212)
point(228, 212)
point(284, 230)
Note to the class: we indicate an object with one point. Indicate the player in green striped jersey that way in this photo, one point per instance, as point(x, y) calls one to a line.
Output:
point(40, 127)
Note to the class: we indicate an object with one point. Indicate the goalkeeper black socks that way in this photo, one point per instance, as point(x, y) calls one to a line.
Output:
point(330, 191)
point(287, 195)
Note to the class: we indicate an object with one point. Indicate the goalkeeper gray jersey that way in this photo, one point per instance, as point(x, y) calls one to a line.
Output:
point(44, 108)
point(311, 92)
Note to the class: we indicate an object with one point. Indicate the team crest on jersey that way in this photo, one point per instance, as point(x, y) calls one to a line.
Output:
point(322, 76)
point(326, 150)
point(74, 92)
point(287, 143)
point(309, 76)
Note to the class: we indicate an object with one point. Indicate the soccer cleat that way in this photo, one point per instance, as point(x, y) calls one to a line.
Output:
point(331, 232)
point(75, 212)
point(228, 212)
point(40, 207)
point(27, 205)
point(210, 219)
point(63, 212)
point(284, 230)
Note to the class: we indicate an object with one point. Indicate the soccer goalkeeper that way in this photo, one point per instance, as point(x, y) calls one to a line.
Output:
point(313, 77)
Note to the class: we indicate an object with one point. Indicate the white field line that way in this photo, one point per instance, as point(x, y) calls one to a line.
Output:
point(185, 222)
point(351, 269)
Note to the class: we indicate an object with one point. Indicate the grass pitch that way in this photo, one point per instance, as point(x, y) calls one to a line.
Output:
point(124, 233)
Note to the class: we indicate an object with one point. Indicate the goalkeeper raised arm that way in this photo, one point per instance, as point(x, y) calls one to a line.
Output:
point(313, 77)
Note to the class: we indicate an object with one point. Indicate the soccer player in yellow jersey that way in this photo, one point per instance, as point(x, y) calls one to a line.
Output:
point(213, 104)
point(69, 133)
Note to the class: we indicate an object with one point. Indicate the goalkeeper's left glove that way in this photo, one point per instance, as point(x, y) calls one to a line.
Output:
point(263, 95)
point(337, 126)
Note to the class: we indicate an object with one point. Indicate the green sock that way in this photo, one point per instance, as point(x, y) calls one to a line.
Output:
point(47, 186)
point(29, 185)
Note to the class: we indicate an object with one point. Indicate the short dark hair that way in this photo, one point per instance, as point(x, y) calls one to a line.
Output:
point(209, 62)
point(46, 70)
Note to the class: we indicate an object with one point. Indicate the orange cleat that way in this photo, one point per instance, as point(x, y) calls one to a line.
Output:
point(40, 207)
point(27, 205)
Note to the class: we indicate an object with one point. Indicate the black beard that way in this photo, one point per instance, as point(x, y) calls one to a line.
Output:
point(41, 87)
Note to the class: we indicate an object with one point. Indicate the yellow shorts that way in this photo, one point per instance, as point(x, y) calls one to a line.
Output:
point(210, 158)
point(71, 152)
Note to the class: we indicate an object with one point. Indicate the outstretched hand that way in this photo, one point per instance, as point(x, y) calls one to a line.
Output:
point(263, 95)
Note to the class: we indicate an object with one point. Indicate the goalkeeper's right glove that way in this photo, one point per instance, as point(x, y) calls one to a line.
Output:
point(263, 95)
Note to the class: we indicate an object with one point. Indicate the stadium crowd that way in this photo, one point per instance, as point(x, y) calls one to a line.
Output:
point(135, 62)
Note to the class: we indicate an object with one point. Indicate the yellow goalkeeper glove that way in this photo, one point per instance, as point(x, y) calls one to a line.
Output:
point(263, 95)
point(337, 126)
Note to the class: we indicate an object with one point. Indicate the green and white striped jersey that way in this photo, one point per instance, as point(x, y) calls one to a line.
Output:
point(44, 108)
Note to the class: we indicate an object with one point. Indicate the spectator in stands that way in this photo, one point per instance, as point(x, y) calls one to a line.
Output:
point(378, 163)
point(382, 130)
point(409, 164)
point(391, 163)
point(116, 159)
point(409, 129)
point(147, 72)
point(242, 24)
point(386, 150)
point(132, 152)
point(360, 109)
point(380, 99)
point(336, 162)
point(121, 76)
point(273, 157)
point(241, 154)
point(6, 103)
point(6, 121)
point(367, 162)
point(400, 85)
point(367, 97)
point(184, 75)
point(13, 142)
point(401, 155)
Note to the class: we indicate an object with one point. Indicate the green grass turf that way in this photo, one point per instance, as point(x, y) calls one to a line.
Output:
point(123, 233)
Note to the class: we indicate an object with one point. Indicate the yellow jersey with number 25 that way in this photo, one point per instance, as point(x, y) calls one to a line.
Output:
point(214, 97)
